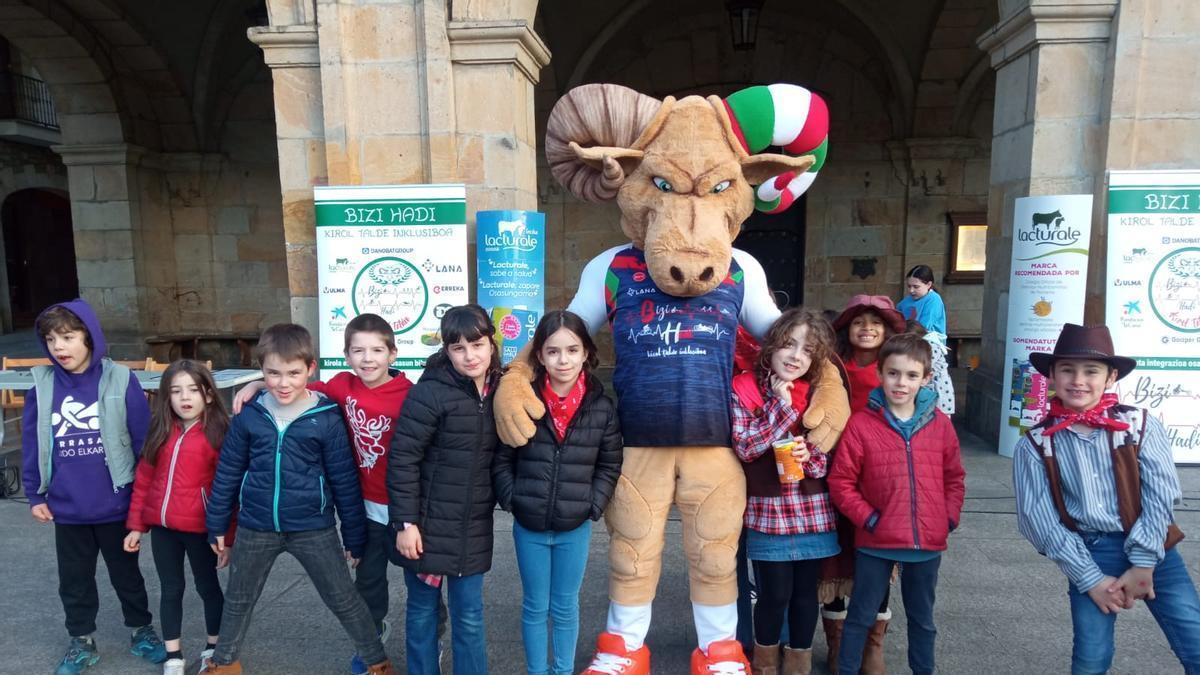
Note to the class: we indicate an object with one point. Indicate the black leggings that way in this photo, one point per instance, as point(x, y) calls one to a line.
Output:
point(786, 587)
point(169, 547)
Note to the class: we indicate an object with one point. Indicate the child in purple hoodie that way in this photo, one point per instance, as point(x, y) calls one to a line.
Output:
point(83, 427)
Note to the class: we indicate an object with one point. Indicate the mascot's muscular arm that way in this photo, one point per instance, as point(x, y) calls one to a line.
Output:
point(828, 411)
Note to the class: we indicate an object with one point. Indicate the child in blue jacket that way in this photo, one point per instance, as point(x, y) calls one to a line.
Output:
point(286, 462)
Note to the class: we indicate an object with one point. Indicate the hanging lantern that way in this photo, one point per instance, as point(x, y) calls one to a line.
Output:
point(743, 22)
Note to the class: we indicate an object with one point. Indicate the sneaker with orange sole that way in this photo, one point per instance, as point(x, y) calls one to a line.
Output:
point(212, 668)
point(613, 658)
point(724, 657)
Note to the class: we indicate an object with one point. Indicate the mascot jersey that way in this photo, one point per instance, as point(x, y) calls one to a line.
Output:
point(663, 342)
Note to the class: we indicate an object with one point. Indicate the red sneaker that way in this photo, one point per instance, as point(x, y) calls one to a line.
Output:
point(612, 658)
point(724, 658)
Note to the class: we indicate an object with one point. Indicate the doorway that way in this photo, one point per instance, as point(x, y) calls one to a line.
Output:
point(777, 242)
point(39, 254)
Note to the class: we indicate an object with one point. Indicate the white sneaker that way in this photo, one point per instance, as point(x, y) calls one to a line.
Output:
point(204, 657)
point(174, 667)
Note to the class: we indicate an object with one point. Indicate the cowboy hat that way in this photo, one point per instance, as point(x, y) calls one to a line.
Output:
point(1091, 343)
point(880, 304)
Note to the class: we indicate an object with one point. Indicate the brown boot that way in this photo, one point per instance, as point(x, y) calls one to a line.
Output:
point(833, 622)
point(211, 668)
point(872, 663)
point(797, 661)
point(766, 660)
point(381, 668)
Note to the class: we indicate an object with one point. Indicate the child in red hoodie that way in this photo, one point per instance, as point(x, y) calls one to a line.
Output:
point(370, 396)
point(170, 493)
point(898, 476)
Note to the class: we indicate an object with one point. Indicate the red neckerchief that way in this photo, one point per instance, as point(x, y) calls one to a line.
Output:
point(1094, 418)
point(563, 409)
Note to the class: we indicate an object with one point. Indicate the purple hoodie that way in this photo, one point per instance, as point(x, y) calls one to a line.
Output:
point(81, 490)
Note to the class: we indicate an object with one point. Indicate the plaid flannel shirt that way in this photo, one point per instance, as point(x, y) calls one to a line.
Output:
point(792, 512)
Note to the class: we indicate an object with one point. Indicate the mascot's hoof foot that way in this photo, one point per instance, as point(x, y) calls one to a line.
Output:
point(613, 658)
point(724, 658)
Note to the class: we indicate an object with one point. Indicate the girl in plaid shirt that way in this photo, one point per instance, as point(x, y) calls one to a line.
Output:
point(792, 526)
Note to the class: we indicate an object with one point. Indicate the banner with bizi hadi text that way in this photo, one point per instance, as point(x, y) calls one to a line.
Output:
point(1152, 297)
point(511, 248)
point(1047, 288)
point(399, 251)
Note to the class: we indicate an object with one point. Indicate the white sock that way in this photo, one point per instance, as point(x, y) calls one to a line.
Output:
point(714, 623)
point(631, 622)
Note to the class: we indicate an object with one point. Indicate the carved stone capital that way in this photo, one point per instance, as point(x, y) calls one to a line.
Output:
point(1051, 22)
point(498, 42)
point(287, 46)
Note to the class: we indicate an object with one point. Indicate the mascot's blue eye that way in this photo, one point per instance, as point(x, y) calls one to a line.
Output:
point(662, 184)
point(721, 187)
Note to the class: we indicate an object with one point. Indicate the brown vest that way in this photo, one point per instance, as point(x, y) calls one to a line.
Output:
point(1126, 472)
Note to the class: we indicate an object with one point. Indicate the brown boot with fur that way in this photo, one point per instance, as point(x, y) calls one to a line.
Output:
point(872, 663)
point(382, 668)
point(211, 668)
point(833, 623)
point(797, 661)
point(766, 660)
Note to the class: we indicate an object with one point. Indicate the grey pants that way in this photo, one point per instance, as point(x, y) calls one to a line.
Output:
point(320, 553)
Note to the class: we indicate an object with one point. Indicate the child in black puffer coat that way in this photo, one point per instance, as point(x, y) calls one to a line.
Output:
point(557, 484)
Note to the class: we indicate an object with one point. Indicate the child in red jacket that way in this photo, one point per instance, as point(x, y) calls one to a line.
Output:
point(170, 492)
point(370, 397)
point(898, 476)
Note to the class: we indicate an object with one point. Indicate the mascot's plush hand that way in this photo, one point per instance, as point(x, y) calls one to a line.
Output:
point(516, 405)
point(827, 413)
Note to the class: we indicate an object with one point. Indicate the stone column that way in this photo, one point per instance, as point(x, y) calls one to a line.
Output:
point(294, 59)
point(108, 248)
point(1048, 139)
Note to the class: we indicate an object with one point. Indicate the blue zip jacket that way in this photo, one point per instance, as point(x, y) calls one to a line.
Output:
point(289, 480)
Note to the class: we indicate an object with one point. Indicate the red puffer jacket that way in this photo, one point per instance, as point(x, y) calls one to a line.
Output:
point(173, 492)
point(899, 495)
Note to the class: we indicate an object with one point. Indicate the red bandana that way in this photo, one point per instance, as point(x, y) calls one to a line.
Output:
point(1095, 417)
point(563, 409)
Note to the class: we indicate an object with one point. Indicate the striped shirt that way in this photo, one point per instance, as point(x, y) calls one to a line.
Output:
point(1090, 493)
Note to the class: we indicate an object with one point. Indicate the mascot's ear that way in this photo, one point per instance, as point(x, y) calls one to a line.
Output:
point(758, 168)
point(628, 158)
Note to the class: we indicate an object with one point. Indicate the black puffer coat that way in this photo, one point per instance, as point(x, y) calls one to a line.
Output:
point(552, 485)
point(439, 474)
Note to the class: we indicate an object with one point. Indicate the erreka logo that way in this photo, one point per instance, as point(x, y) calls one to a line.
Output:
point(512, 234)
point(1048, 229)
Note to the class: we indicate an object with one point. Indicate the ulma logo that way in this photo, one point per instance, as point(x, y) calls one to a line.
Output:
point(512, 234)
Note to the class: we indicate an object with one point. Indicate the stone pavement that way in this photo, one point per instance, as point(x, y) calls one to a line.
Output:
point(1001, 607)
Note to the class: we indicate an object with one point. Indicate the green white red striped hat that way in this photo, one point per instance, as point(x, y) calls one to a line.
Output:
point(784, 115)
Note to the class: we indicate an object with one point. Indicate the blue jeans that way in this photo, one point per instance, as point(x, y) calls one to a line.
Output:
point(1176, 608)
point(551, 566)
point(918, 583)
point(320, 553)
point(465, 595)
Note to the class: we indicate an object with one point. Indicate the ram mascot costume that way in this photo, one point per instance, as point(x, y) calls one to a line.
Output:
point(686, 174)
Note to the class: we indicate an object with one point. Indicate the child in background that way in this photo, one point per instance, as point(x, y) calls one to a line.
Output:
point(370, 396)
point(440, 491)
point(899, 478)
point(557, 484)
point(170, 494)
point(924, 305)
point(82, 431)
point(792, 526)
point(285, 459)
point(1096, 489)
point(862, 328)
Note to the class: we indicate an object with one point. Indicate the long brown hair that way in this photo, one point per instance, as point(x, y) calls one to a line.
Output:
point(820, 337)
point(215, 419)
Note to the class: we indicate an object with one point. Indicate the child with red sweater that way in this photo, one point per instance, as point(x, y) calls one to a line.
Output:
point(170, 493)
point(370, 397)
point(898, 476)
